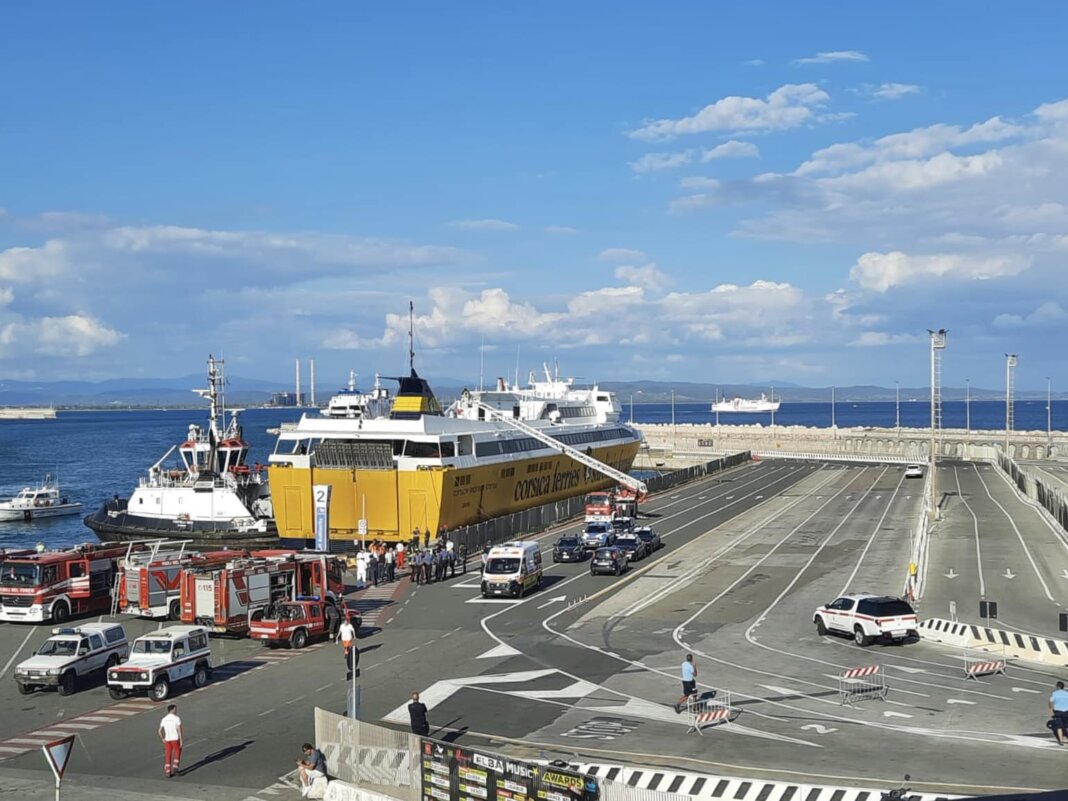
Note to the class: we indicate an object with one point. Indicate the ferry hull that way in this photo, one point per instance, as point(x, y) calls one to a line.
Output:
point(125, 527)
point(395, 502)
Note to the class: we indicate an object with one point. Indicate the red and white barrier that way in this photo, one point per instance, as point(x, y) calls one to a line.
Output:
point(856, 673)
point(861, 682)
point(972, 670)
point(708, 711)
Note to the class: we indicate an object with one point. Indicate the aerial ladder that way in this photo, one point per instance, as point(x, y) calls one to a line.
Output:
point(579, 456)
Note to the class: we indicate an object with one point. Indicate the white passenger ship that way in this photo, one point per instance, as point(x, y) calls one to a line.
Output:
point(746, 405)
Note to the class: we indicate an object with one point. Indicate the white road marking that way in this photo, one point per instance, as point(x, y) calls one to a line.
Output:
point(951, 574)
point(889, 714)
point(265, 712)
point(1008, 574)
point(816, 727)
point(228, 728)
point(14, 656)
point(907, 669)
point(498, 651)
point(551, 601)
point(959, 701)
point(1025, 690)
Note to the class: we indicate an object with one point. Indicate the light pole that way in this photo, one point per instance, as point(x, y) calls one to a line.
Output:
point(674, 431)
point(938, 344)
point(1010, 374)
point(632, 408)
point(773, 407)
point(968, 405)
point(897, 405)
point(1049, 416)
point(834, 425)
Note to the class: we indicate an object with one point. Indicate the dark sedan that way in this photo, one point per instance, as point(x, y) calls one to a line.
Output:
point(608, 560)
point(633, 546)
point(569, 549)
point(650, 538)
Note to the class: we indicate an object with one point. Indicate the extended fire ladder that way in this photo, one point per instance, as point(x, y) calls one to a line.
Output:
point(581, 457)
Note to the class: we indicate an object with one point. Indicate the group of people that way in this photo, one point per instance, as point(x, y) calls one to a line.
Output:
point(438, 563)
point(378, 563)
point(426, 562)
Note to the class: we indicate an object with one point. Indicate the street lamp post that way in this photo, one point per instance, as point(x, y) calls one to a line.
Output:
point(938, 344)
point(968, 405)
point(1010, 371)
point(897, 405)
point(674, 431)
point(1049, 416)
point(834, 425)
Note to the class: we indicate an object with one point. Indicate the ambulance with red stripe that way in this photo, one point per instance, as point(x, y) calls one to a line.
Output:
point(867, 618)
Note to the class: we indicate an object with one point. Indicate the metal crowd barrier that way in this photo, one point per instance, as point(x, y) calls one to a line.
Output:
point(708, 711)
point(857, 684)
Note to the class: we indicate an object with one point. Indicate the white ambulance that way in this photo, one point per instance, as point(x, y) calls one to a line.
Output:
point(512, 568)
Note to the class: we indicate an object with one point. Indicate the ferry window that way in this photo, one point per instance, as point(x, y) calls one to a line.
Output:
point(515, 412)
point(448, 450)
point(422, 450)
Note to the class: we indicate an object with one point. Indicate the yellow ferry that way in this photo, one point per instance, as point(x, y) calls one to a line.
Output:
point(417, 466)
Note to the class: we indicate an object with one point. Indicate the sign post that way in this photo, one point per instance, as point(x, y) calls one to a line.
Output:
point(58, 753)
point(321, 496)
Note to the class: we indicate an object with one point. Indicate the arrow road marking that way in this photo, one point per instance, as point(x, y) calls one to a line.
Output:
point(1064, 573)
point(951, 574)
point(552, 601)
point(959, 701)
point(1008, 574)
point(889, 714)
point(816, 727)
point(1026, 690)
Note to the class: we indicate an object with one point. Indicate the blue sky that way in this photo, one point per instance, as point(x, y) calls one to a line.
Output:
point(689, 191)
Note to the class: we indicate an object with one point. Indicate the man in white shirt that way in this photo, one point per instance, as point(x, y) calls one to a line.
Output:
point(347, 634)
point(170, 732)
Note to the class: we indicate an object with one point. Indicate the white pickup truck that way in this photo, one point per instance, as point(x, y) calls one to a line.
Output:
point(866, 618)
point(71, 654)
point(160, 659)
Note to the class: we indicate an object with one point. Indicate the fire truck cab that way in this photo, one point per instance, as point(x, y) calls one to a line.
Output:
point(54, 585)
point(599, 507)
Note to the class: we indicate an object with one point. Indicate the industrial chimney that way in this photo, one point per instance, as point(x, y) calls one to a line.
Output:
point(298, 403)
point(311, 381)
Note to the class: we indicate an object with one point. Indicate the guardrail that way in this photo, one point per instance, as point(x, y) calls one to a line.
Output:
point(867, 458)
point(1035, 489)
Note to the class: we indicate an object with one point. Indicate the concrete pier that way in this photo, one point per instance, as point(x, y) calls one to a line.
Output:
point(26, 413)
point(680, 444)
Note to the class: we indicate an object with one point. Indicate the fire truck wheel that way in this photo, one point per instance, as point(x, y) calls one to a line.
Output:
point(161, 688)
point(299, 639)
point(60, 612)
point(116, 693)
point(200, 677)
point(67, 682)
point(174, 611)
point(26, 689)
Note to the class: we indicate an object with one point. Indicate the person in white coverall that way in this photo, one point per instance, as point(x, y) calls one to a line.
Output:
point(362, 560)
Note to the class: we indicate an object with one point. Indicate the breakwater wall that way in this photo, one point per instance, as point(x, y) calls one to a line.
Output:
point(26, 413)
point(683, 442)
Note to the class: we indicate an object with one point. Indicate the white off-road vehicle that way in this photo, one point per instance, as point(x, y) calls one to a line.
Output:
point(160, 659)
point(71, 654)
point(867, 618)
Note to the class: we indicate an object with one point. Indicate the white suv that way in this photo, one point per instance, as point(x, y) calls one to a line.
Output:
point(913, 471)
point(867, 618)
point(71, 654)
point(159, 659)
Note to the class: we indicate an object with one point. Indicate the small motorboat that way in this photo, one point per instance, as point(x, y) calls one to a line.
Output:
point(44, 500)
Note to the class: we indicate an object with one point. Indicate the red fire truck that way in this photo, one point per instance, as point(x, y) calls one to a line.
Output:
point(53, 585)
point(149, 580)
point(600, 507)
point(227, 598)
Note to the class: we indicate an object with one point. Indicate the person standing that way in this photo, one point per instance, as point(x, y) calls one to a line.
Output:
point(333, 620)
point(1058, 707)
point(450, 553)
point(170, 732)
point(426, 537)
point(400, 556)
point(417, 711)
point(689, 683)
point(347, 634)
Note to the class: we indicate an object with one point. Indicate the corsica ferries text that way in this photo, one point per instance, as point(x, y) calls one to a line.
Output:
point(543, 485)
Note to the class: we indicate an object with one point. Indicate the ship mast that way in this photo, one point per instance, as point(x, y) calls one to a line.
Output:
point(411, 337)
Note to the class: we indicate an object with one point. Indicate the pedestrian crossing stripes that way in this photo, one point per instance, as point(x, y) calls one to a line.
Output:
point(705, 786)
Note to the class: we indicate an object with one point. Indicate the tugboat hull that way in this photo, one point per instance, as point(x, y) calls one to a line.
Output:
point(111, 525)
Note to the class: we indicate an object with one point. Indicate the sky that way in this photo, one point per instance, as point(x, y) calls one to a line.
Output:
point(750, 192)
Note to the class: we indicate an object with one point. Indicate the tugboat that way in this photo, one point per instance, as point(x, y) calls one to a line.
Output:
point(44, 500)
point(211, 496)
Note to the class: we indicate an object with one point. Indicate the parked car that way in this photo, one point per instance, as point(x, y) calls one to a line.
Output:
point(71, 654)
point(913, 471)
point(160, 659)
point(866, 618)
point(632, 545)
point(608, 560)
point(650, 538)
point(569, 548)
point(622, 525)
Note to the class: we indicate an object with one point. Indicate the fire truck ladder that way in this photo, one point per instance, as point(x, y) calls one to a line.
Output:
point(579, 456)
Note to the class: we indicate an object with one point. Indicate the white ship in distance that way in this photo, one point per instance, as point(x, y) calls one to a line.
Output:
point(746, 405)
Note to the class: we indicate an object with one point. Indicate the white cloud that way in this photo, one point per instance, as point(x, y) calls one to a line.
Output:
point(731, 150)
point(830, 56)
point(620, 254)
point(787, 107)
point(7, 294)
point(32, 265)
point(883, 271)
point(653, 162)
point(890, 91)
point(699, 182)
point(74, 335)
point(560, 229)
point(648, 276)
point(1046, 314)
point(484, 225)
point(877, 339)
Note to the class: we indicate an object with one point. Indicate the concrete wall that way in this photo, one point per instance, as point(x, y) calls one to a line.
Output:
point(701, 441)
